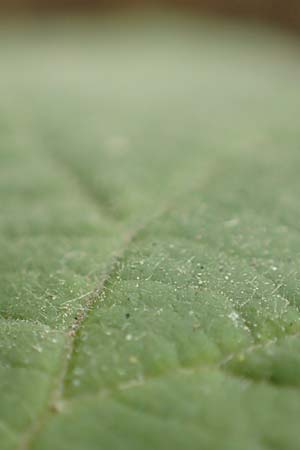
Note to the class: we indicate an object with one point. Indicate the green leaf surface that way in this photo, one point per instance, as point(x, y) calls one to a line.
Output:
point(149, 230)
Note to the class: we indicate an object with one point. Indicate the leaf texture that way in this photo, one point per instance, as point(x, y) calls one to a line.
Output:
point(149, 283)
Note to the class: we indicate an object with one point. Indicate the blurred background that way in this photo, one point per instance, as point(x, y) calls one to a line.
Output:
point(285, 13)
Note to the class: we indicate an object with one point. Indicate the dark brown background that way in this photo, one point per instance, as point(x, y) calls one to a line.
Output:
point(284, 12)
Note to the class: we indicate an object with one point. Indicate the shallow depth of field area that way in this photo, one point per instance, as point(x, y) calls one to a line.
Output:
point(149, 234)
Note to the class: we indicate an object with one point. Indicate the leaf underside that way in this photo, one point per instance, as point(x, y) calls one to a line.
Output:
point(150, 251)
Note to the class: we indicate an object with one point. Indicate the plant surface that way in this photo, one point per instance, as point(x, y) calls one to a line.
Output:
point(150, 251)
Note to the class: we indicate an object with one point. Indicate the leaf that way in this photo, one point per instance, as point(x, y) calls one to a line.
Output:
point(149, 234)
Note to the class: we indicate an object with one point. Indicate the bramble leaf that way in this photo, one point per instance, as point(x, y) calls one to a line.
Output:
point(150, 251)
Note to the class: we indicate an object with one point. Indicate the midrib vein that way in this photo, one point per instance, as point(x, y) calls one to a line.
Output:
point(56, 393)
